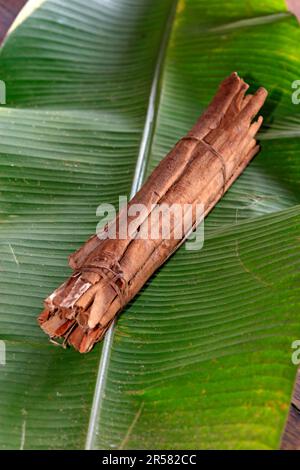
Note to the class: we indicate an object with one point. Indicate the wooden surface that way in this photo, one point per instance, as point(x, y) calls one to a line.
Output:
point(8, 11)
point(291, 436)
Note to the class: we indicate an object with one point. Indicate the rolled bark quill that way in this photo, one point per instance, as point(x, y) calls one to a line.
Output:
point(108, 273)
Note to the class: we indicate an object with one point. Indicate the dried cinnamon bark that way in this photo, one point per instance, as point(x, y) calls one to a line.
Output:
point(199, 169)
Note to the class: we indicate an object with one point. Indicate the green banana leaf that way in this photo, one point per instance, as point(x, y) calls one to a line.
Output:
point(97, 92)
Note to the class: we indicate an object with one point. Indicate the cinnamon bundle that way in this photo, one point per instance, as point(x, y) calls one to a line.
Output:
point(108, 273)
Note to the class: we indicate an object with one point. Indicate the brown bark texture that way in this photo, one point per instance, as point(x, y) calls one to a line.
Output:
point(108, 273)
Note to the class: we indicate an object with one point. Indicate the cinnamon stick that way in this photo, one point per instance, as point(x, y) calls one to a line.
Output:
point(108, 272)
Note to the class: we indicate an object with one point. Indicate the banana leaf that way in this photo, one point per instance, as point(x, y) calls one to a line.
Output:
point(97, 92)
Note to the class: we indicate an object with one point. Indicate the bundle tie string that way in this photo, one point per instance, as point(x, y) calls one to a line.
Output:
point(117, 273)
